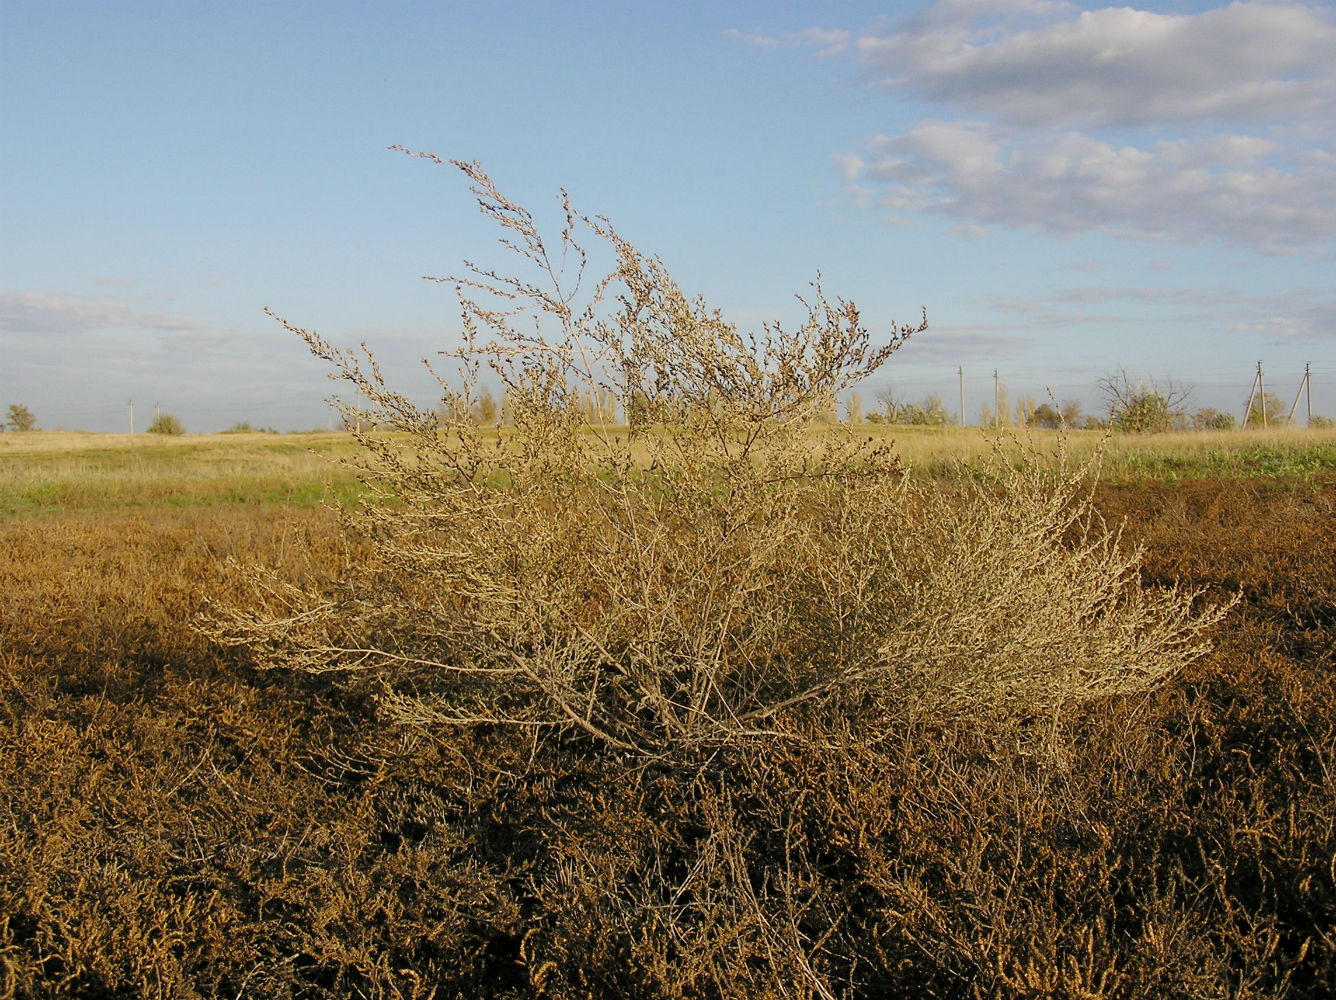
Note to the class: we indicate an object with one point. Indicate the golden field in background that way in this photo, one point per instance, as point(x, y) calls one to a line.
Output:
point(52, 470)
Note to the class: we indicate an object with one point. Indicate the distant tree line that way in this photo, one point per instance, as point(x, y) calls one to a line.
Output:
point(485, 410)
point(1132, 406)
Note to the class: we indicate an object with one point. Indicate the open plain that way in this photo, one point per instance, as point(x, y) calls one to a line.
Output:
point(176, 822)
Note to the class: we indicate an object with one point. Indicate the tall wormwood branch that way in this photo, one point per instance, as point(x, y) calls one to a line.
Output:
point(664, 557)
point(714, 560)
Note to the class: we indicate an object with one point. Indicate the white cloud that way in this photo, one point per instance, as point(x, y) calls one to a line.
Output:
point(827, 41)
point(1195, 297)
point(1043, 313)
point(1308, 314)
point(1069, 182)
point(77, 360)
point(756, 38)
point(1113, 66)
point(61, 313)
point(952, 341)
point(1295, 318)
point(851, 165)
point(1018, 161)
point(1214, 126)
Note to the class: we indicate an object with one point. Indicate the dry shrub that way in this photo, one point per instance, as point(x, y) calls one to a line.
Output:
point(685, 579)
point(657, 610)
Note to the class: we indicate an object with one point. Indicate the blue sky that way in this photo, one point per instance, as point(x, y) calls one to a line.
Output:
point(1068, 189)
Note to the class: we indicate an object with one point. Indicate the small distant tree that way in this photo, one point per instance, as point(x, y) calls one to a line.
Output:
point(1208, 419)
point(588, 407)
point(1051, 415)
point(1045, 415)
point(889, 404)
point(507, 405)
point(20, 418)
point(999, 416)
point(453, 410)
point(165, 423)
point(1276, 414)
point(484, 410)
point(1142, 407)
point(853, 409)
point(893, 408)
point(607, 405)
point(637, 410)
point(928, 412)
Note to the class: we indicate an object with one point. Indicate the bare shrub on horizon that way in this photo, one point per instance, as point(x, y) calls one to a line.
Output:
point(1144, 406)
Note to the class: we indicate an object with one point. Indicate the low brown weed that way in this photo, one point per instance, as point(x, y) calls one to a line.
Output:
point(176, 823)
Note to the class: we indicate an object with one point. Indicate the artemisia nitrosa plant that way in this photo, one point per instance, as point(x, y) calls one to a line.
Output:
point(715, 559)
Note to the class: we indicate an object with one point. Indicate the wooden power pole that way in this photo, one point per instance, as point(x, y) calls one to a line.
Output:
point(1253, 392)
point(1303, 384)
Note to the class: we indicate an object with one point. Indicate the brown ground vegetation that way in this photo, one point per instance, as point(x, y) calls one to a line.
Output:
point(176, 823)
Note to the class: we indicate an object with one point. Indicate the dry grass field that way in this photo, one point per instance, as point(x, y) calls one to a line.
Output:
point(175, 822)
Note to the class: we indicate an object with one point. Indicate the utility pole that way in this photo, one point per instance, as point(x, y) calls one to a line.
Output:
point(132, 416)
point(157, 413)
point(961, 372)
point(997, 412)
point(1261, 392)
point(1303, 384)
point(1252, 394)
